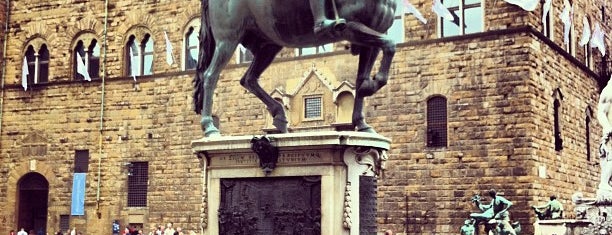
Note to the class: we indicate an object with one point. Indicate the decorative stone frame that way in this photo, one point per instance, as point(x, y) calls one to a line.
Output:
point(22, 168)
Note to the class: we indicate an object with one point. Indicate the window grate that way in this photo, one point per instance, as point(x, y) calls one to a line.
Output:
point(64, 222)
point(138, 180)
point(312, 107)
point(436, 122)
point(81, 161)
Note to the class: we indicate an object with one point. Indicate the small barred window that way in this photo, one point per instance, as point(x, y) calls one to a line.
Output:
point(138, 180)
point(436, 122)
point(312, 107)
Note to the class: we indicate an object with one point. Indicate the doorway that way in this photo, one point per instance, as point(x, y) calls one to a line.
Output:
point(33, 195)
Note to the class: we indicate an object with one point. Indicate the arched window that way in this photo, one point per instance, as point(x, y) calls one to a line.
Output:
point(93, 59)
point(556, 116)
point(43, 65)
point(570, 44)
point(147, 55)
point(468, 13)
point(547, 19)
point(588, 56)
point(139, 56)
point(191, 48)
point(37, 64)
point(588, 118)
point(90, 58)
point(31, 60)
point(436, 122)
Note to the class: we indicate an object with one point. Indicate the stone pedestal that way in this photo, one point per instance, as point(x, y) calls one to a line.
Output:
point(595, 212)
point(560, 227)
point(332, 168)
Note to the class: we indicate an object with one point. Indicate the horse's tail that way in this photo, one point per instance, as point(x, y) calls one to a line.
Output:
point(207, 47)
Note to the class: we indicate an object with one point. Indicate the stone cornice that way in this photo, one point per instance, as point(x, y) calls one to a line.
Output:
point(289, 140)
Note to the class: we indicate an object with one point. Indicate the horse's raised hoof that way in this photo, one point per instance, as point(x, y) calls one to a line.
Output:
point(280, 124)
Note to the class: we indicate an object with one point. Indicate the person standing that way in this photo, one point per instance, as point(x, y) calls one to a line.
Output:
point(169, 229)
point(116, 227)
point(22, 232)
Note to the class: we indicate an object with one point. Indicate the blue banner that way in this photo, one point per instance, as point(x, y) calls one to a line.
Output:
point(78, 194)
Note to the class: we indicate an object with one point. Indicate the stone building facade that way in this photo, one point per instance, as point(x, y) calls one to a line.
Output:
point(519, 113)
point(3, 23)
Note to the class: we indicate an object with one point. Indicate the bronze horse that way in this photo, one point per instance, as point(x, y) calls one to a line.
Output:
point(266, 26)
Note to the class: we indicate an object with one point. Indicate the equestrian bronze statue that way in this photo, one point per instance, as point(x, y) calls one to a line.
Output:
point(266, 26)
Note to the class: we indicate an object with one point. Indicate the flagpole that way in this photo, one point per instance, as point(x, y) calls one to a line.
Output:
point(4, 60)
point(103, 77)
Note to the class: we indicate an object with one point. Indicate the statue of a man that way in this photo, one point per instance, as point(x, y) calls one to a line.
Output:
point(552, 210)
point(468, 227)
point(604, 116)
point(321, 22)
point(497, 210)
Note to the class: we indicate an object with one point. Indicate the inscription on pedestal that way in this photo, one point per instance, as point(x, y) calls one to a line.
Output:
point(280, 205)
point(367, 205)
point(285, 158)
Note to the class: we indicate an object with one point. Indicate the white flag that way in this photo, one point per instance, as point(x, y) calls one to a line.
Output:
point(135, 59)
point(597, 40)
point(442, 11)
point(527, 5)
point(409, 8)
point(586, 31)
point(24, 74)
point(81, 69)
point(546, 9)
point(169, 49)
point(566, 18)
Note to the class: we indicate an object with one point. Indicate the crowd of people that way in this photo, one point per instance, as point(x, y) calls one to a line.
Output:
point(168, 229)
point(159, 230)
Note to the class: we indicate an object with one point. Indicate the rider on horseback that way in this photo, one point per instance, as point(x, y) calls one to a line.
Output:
point(321, 22)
